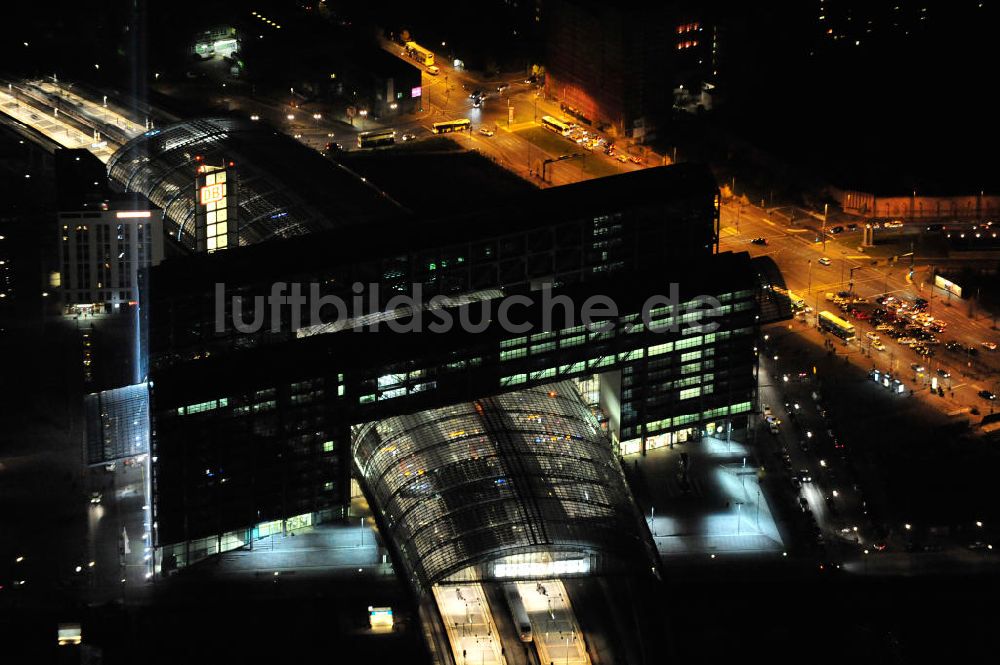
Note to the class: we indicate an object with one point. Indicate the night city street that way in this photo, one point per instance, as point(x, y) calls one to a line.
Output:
point(518, 332)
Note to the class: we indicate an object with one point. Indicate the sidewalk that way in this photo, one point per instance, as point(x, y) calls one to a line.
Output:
point(721, 508)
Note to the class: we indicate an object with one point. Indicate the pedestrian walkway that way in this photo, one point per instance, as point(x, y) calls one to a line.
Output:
point(711, 504)
point(52, 127)
point(554, 629)
point(470, 626)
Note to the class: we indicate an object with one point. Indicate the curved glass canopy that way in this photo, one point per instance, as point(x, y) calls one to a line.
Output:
point(284, 187)
point(475, 486)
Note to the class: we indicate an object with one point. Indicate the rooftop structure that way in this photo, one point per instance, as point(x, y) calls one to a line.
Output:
point(284, 188)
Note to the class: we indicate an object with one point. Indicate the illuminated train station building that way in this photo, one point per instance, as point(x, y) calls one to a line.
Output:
point(263, 431)
point(520, 484)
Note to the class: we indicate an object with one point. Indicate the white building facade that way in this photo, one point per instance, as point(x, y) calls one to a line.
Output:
point(101, 253)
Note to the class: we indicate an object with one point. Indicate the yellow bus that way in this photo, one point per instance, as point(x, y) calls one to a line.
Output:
point(555, 125)
point(376, 138)
point(460, 125)
point(419, 53)
point(836, 325)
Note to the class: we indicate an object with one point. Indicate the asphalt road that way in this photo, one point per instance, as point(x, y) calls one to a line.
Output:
point(794, 249)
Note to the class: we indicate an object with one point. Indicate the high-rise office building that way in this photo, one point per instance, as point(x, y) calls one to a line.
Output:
point(618, 65)
point(102, 249)
point(253, 430)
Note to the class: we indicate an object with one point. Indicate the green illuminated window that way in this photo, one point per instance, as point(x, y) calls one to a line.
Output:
point(688, 393)
point(513, 355)
point(688, 343)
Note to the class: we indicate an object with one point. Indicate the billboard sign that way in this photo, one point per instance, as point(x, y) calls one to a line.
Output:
point(949, 286)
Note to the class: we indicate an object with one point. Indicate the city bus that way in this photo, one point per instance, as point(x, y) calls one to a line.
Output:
point(517, 612)
point(795, 301)
point(419, 53)
point(377, 137)
point(555, 125)
point(836, 325)
point(460, 125)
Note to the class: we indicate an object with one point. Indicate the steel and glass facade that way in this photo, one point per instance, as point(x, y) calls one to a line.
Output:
point(254, 429)
point(527, 475)
point(284, 188)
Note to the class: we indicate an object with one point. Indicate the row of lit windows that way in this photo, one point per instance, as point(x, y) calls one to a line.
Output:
point(397, 392)
point(605, 361)
point(578, 339)
point(735, 409)
point(200, 407)
point(265, 398)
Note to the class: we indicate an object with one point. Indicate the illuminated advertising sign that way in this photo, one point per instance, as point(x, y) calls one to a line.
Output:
point(69, 634)
point(212, 193)
point(380, 618)
point(415, 92)
point(949, 286)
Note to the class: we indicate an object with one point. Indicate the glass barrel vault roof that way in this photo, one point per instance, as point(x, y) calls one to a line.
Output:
point(284, 188)
point(525, 472)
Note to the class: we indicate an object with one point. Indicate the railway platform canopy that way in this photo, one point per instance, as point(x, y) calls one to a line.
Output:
point(523, 485)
